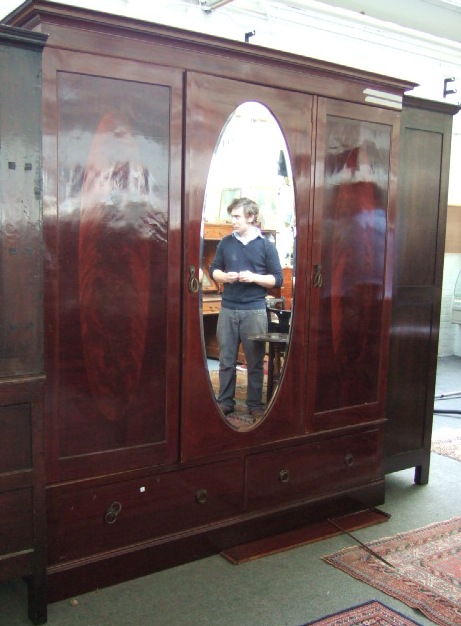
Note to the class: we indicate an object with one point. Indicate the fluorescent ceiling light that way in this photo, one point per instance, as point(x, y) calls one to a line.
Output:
point(209, 5)
point(445, 4)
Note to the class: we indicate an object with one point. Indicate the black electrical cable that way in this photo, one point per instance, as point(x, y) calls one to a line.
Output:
point(455, 395)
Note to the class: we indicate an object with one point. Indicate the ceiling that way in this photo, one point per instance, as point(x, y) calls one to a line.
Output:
point(441, 18)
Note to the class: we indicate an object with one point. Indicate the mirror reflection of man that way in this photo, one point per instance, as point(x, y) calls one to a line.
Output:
point(248, 265)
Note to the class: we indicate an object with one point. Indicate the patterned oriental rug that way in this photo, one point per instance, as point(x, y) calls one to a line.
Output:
point(369, 614)
point(422, 568)
point(240, 387)
point(448, 447)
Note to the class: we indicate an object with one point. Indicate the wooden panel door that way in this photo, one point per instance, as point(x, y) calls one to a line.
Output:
point(420, 242)
point(354, 211)
point(210, 103)
point(21, 316)
point(112, 235)
point(22, 471)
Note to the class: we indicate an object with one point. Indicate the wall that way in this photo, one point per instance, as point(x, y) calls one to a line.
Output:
point(450, 334)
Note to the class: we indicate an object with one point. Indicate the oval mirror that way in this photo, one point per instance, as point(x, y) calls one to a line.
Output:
point(247, 265)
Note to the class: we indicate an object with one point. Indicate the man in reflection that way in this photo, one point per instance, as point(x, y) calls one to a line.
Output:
point(247, 264)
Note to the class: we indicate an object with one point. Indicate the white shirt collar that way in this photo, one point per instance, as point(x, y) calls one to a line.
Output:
point(255, 233)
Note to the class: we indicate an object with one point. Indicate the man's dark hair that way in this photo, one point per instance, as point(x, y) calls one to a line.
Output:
point(249, 207)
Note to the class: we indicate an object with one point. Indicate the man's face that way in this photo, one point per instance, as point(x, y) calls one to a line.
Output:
point(241, 223)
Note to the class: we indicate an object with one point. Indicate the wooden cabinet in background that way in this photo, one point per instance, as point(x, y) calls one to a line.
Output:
point(22, 490)
point(287, 289)
point(22, 470)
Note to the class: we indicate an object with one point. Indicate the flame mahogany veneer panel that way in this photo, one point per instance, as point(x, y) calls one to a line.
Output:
point(112, 267)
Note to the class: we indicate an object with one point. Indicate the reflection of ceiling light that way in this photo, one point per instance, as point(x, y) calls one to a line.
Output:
point(209, 5)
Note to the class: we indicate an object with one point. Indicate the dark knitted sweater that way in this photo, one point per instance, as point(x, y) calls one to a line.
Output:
point(259, 256)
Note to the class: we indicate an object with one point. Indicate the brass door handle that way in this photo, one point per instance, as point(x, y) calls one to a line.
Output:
point(193, 280)
point(318, 279)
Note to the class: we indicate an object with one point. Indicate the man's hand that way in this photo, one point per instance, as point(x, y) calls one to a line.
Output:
point(246, 277)
point(232, 277)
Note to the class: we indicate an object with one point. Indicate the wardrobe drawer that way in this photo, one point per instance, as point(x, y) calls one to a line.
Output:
point(313, 469)
point(98, 519)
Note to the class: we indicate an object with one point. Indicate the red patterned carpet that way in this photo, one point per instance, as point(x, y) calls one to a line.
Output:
point(422, 568)
point(369, 614)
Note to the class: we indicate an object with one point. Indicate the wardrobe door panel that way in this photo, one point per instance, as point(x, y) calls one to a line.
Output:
point(211, 102)
point(112, 271)
point(354, 211)
point(419, 255)
point(21, 319)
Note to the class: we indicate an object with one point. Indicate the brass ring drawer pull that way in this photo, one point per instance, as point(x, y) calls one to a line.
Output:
point(349, 459)
point(201, 496)
point(284, 475)
point(112, 512)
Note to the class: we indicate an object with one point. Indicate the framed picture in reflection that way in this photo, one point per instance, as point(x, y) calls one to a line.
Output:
point(227, 195)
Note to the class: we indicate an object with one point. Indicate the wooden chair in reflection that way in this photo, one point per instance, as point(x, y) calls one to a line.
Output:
point(278, 328)
point(278, 320)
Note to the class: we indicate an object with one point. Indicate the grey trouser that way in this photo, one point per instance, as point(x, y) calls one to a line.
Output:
point(235, 327)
